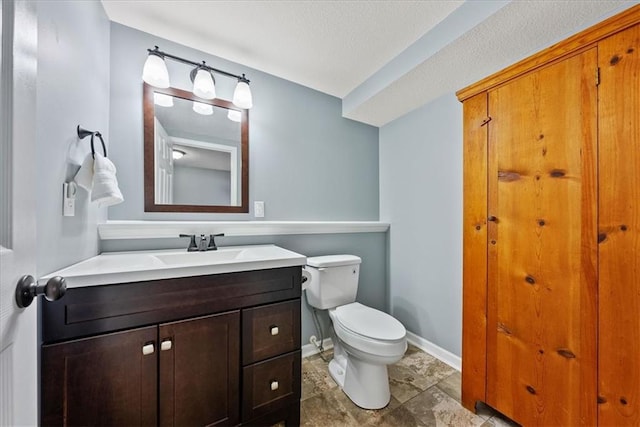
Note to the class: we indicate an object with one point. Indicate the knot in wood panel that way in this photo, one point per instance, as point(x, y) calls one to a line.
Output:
point(614, 60)
point(531, 389)
point(541, 222)
point(503, 328)
point(566, 353)
point(601, 400)
point(557, 173)
point(623, 227)
point(530, 280)
point(508, 176)
point(602, 237)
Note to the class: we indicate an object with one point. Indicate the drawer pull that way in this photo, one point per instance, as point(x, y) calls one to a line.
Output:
point(274, 385)
point(165, 345)
point(148, 349)
point(275, 330)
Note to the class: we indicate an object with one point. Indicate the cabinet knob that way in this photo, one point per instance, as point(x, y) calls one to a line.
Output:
point(275, 330)
point(148, 349)
point(274, 385)
point(165, 345)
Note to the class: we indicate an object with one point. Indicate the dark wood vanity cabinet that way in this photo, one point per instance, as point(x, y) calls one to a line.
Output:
point(230, 357)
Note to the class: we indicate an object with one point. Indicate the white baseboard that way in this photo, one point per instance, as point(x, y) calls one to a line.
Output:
point(435, 350)
point(310, 349)
point(423, 344)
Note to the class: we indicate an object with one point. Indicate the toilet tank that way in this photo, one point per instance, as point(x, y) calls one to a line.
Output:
point(334, 280)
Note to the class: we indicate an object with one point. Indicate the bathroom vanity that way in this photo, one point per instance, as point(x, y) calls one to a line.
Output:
point(218, 347)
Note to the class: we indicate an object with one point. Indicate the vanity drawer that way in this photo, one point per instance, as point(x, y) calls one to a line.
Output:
point(270, 330)
point(270, 385)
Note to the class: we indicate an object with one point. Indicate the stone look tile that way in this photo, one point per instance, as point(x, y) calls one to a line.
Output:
point(452, 386)
point(315, 378)
point(325, 410)
point(435, 407)
point(399, 417)
point(424, 392)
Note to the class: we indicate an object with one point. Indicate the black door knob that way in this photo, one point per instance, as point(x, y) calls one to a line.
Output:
point(28, 289)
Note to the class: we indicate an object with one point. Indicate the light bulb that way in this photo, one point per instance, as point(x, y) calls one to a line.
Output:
point(242, 95)
point(155, 71)
point(177, 154)
point(202, 108)
point(234, 115)
point(203, 85)
point(163, 100)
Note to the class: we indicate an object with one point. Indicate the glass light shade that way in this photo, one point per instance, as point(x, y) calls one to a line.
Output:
point(177, 154)
point(204, 109)
point(163, 100)
point(234, 115)
point(203, 85)
point(155, 72)
point(242, 95)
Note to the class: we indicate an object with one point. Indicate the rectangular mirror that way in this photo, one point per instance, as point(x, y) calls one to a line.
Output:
point(196, 153)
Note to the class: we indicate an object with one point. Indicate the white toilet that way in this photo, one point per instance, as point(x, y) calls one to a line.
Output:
point(365, 340)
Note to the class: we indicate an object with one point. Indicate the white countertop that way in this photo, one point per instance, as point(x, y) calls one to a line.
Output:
point(137, 266)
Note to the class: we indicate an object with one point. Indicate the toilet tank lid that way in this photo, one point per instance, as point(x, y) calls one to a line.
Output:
point(333, 260)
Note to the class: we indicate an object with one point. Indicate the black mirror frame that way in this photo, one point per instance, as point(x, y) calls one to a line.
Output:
point(149, 150)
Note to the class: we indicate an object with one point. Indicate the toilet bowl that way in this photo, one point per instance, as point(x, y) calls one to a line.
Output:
point(365, 340)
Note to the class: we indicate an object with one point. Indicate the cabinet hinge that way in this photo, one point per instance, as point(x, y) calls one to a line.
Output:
point(597, 76)
point(485, 121)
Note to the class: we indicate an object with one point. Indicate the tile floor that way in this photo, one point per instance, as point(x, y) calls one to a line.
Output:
point(424, 392)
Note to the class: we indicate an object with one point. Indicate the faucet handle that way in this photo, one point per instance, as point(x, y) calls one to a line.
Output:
point(212, 241)
point(192, 244)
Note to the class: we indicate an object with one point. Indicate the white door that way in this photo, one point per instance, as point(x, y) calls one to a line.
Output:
point(18, 327)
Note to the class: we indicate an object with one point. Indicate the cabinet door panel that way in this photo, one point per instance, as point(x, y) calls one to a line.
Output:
point(619, 228)
point(541, 325)
point(101, 381)
point(200, 372)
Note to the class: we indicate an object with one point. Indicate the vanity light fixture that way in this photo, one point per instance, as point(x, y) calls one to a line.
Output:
point(204, 85)
point(177, 154)
point(155, 73)
point(234, 115)
point(242, 94)
point(155, 70)
point(202, 108)
point(162, 100)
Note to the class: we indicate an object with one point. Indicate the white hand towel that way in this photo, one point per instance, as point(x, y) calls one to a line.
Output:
point(84, 176)
point(105, 185)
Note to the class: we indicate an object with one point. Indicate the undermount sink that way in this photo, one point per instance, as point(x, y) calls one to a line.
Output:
point(128, 267)
point(199, 258)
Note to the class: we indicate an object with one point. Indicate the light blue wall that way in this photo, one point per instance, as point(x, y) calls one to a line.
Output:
point(421, 196)
point(306, 161)
point(72, 89)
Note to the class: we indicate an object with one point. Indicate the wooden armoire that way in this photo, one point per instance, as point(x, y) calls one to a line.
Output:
point(551, 288)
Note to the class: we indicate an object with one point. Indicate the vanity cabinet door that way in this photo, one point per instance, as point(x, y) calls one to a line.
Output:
point(105, 380)
point(200, 371)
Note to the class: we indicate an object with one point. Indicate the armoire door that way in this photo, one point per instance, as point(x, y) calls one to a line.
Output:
point(542, 244)
point(619, 228)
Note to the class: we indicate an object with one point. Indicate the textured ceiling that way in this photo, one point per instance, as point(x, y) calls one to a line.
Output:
point(419, 50)
point(330, 46)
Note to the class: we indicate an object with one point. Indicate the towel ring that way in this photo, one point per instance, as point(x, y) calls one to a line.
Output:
point(104, 149)
point(83, 133)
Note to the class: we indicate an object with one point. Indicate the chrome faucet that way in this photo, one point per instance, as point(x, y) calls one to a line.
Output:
point(202, 246)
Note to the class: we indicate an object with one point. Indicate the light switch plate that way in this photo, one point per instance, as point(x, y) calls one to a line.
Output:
point(258, 209)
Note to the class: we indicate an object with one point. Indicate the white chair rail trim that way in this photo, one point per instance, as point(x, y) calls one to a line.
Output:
point(113, 230)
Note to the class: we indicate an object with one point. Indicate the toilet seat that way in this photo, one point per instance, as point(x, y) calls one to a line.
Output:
point(369, 331)
point(369, 322)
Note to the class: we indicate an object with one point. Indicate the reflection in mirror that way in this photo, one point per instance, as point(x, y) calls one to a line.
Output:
point(196, 153)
